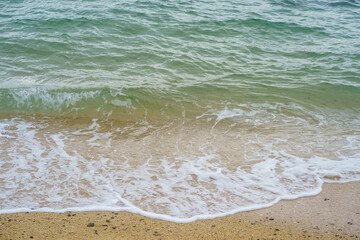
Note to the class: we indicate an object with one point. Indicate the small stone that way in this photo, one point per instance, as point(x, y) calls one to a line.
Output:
point(326, 199)
point(107, 220)
point(271, 219)
point(113, 227)
point(213, 225)
point(69, 215)
point(31, 237)
point(350, 223)
point(124, 228)
point(316, 227)
point(134, 226)
point(276, 229)
point(91, 224)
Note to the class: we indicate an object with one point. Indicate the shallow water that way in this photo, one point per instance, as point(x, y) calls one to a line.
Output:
point(177, 110)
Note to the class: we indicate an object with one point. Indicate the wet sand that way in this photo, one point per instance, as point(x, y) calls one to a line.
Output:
point(333, 214)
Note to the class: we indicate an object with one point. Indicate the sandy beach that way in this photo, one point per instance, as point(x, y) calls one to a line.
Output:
point(333, 214)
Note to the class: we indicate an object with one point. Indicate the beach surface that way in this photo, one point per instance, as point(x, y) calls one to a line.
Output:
point(332, 214)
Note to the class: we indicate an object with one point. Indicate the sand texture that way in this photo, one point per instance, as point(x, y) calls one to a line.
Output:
point(333, 214)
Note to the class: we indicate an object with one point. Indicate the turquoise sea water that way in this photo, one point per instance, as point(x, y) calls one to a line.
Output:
point(184, 109)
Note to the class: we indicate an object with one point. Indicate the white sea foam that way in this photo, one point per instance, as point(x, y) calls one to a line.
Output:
point(218, 164)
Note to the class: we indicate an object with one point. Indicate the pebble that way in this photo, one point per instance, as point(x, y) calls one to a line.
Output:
point(326, 199)
point(107, 220)
point(350, 223)
point(91, 224)
point(316, 227)
point(113, 227)
point(271, 219)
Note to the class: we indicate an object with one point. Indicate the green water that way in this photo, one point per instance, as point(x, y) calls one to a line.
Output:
point(56, 56)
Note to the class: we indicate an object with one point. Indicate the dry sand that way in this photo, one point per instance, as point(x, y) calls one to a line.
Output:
point(333, 214)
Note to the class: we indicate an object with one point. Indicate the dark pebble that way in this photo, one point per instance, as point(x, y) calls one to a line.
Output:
point(113, 227)
point(213, 225)
point(326, 199)
point(107, 220)
point(31, 237)
point(91, 224)
point(69, 215)
point(276, 229)
point(350, 223)
point(95, 231)
point(271, 219)
point(134, 226)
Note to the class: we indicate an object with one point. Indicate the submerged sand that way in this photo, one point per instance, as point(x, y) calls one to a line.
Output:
point(333, 214)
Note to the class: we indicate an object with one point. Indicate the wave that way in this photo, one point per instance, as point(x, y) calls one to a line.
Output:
point(222, 162)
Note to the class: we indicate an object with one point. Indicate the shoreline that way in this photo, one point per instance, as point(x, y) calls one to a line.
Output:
point(332, 214)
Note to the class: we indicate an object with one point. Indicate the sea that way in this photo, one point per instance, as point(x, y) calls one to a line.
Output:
point(176, 109)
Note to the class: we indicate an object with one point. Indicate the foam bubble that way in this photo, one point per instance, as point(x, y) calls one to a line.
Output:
point(245, 157)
